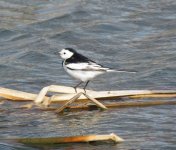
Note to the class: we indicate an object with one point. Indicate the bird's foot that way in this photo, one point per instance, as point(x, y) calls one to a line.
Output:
point(75, 89)
point(84, 91)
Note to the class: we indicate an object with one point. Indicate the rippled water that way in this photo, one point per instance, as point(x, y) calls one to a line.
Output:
point(138, 35)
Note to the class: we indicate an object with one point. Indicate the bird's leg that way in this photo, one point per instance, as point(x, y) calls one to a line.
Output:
point(77, 86)
point(85, 86)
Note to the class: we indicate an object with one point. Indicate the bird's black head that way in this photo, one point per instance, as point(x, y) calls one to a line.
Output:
point(71, 50)
point(72, 55)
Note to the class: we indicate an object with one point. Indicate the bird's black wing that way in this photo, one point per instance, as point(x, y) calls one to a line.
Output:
point(77, 58)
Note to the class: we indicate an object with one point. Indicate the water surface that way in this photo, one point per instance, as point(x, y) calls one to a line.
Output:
point(136, 35)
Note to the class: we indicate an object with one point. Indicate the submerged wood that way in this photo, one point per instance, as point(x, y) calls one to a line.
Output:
point(73, 139)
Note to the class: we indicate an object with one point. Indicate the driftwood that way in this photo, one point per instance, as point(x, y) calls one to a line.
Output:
point(100, 95)
point(67, 96)
point(73, 139)
point(17, 95)
point(94, 94)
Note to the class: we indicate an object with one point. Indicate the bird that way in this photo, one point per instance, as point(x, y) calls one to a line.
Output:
point(81, 67)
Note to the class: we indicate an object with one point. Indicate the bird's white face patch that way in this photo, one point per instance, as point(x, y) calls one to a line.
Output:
point(65, 54)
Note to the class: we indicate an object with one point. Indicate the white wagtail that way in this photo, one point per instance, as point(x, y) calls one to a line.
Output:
point(81, 67)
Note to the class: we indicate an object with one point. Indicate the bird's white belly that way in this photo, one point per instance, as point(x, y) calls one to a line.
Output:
point(83, 75)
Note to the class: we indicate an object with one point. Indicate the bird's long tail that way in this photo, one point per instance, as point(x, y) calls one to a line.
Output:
point(127, 71)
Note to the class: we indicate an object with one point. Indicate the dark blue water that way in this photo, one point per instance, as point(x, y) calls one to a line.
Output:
point(137, 35)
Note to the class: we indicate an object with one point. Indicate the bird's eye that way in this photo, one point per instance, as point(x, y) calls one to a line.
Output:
point(64, 53)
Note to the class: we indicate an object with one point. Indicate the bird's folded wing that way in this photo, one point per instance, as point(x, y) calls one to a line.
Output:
point(86, 66)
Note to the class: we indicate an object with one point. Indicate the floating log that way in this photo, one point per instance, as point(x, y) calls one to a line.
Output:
point(64, 98)
point(100, 95)
point(73, 139)
point(16, 95)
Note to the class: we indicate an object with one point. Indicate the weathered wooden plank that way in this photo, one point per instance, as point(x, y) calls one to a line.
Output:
point(73, 139)
point(25, 96)
point(16, 95)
